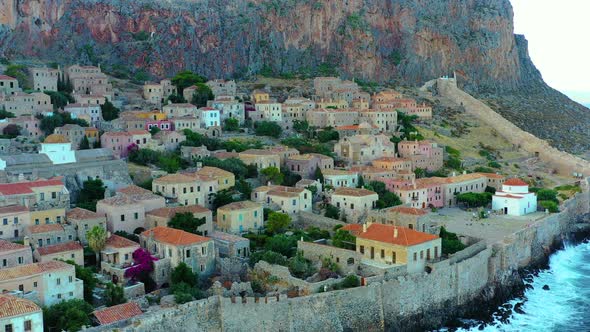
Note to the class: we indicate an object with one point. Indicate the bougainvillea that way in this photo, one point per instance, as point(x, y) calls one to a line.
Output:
point(143, 263)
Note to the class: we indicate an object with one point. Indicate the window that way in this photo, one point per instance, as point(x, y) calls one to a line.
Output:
point(421, 254)
point(188, 253)
point(362, 249)
point(122, 217)
point(136, 215)
point(70, 278)
point(382, 253)
point(203, 251)
point(8, 328)
point(28, 325)
point(53, 195)
point(393, 257)
point(58, 281)
point(42, 196)
point(4, 262)
point(21, 288)
point(415, 257)
point(20, 260)
point(5, 221)
point(47, 220)
point(59, 296)
point(58, 219)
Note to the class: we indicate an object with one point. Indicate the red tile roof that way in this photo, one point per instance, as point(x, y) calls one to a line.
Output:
point(32, 269)
point(133, 190)
point(11, 306)
point(13, 209)
point(353, 192)
point(409, 210)
point(35, 229)
point(117, 313)
point(117, 241)
point(174, 236)
point(19, 188)
point(82, 214)
point(60, 247)
point(6, 77)
point(515, 182)
point(9, 246)
point(386, 234)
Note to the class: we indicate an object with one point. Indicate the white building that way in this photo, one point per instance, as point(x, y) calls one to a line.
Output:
point(59, 149)
point(515, 198)
point(209, 117)
point(340, 178)
point(229, 108)
point(18, 314)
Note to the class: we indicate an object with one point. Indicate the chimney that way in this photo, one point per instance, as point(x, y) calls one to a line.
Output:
point(364, 228)
point(454, 174)
point(108, 234)
point(395, 233)
point(26, 241)
point(464, 172)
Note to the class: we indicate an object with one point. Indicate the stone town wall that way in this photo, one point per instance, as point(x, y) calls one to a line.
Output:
point(306, 219)
point(563, 162)
point(348, 260)
point(402, 303)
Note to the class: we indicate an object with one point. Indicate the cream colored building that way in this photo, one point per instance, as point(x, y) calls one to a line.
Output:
point(385, 120)
point(340, 178)
point(14, 219)
point(288, 200)
point(65, 251)
point(225, 179)
point(19, 314)
point(261, 158)
point(182, 188)
point(156, 93)
point(44, 79)
point(327, 117)
point(162, 216)
point(354, 203)
point(240, 217)
point(362, 149)
point(84, 220)
point(269, 111)
point(180, 110)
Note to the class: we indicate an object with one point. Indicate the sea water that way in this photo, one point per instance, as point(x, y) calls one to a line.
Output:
point(564, 304)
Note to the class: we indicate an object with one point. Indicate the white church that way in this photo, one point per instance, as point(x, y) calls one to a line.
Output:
point(514, 199)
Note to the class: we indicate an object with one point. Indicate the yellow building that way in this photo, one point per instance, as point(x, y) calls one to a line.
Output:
point(240, 217)
point(182, 188)
point(225, 179)
point(259, 96)
point(261, 158)
point(155, 115)
point(389, 244)
point(48, 216)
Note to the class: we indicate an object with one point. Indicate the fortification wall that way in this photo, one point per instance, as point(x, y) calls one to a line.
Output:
point(563, 162)
point(306, 219)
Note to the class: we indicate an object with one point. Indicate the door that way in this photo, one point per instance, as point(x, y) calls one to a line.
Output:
point(16, 233)
point(505, 210)
point(372, 253)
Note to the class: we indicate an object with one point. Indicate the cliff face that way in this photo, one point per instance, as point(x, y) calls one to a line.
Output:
point(411, 40)
point(405, 41)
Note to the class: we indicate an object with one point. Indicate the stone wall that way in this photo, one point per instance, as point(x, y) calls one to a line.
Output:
point(563, 162)
point(411, 302)
point(348, 260)
point(306, 219)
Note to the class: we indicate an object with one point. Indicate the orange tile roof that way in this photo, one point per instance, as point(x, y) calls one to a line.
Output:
point(353, 192)
point(492, 175)
point(117, 241)
point(386, 234)
point(174, 178)
point(19, 188)
point(118, 200)
point(36, 229)
point(515, 182)
point(56, 138)
point(32, 269)
point(13, 209)
point(169, 212)
point(82, 214)
point(258, 152)
point(240, 206)
point(464, 177)
point(354, 229)
point(408, 210)
point(11, 306)
point(60, 247)
point(117, 313)
point(133, 190)
point(213, 171)
point(9, 246)
point(174, 236)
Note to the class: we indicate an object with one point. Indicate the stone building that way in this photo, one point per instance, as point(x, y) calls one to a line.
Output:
point(8, 85)
point(337, 178)
point(180, 188)
point(91, 113)
point(267, 111)
point(177, 246)
point(329, 117)
point(354, 203)
point(229, 108)
point(156, 93)
point(19, 314)
point(87, 80)
point(393, 163)
point(90, 99)
point(65, 251)
point(260, 158)
point(168, 140)
point(14, 254)
point(284, 152)
point(362, 149)
point(21, 103)
point(423, 154)
point(225, 179)
point(221, 87)
point(83, 221)
point(180, 110)
point(49, 234)
point(121, 142)
point(412, 218)
point(73, 132)
point(15, 218)
point(186, 122)
point(116, 257)
point(230, 245)
point(384, 120)
point(288, 200)
point(306, 165)
point(52, 281)
point(194, 152)
point(122, 213)
point(44, 79)
point(117, 313)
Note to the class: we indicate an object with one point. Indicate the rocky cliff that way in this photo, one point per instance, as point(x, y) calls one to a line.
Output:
point(405, 41)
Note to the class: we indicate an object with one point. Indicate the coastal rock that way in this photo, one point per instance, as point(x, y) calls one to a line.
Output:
point(518, 308)
point(545, 287)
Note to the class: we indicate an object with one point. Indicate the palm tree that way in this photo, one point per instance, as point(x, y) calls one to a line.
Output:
point(97, 238)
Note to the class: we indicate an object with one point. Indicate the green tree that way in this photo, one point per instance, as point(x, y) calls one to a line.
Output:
point(290, 179)
point(328, 135)
point(231, 124)
point(84, 144)
point(59, 99)
point(332, 212)
point(182, 273)
point(11, 131)
point(272, 174)
point(547, 195)
point(201, 95)
point(268, 128)
point(109, 111)
point(186, 78)
point(277, 222)
point(549, 205)
point(475, 199)
point(21, 73)
point(221, 198)
point(318, 175)
point(176, 99)
point(283, 244)
point(420, 172)
point(114, 294)
point(68, 315)
point(169, 162)
point(97, 238)
point(4, 114)
point(154, 130)
point(268, 256)
point(244, 188)
point(300, 267)
point(301, 127)
point(187, 222)
point(92, 191)
point(450, 242)
point(343, 239)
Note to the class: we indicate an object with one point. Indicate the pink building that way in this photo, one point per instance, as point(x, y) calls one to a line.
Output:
point(423, 154)
point(121, 142)
point(164, 125)
point(306, 164)
point(421, 193)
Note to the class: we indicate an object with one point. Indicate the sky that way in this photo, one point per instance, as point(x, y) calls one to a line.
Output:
point(558, 32)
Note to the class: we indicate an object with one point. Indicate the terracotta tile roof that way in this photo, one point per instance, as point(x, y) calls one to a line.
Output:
point(169, 212)
point(32, 269)
point(386, 234)
point(13, 209)
point(56, 138)
point(463, 178)
point(353, 192)
point(213, 171)
point(492, 175)
point(11, 306)
point(36, 229)
point(9, 246)
point(117, 313)
point(225, 155)
point(515, 182)
point(118, 200)
point(390, 159)
point(509, 196)
point(226, 237)
point(174, 236)
point(81, 214)
point(408, 210)
point(328, 172)
point(285, 191)
point(117, 241)
point(60, 247)
point(133, 190)
point(18, 188)
point(174, 178)
point(240, 206)
point(353, 228)
point(139, 132)
point(258, 152)
point(6, 77)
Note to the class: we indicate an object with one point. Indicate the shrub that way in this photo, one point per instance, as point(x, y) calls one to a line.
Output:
point(267, 128)
point(351, 281)
point(494, 164)
point(68, 315)
point(450, 242)
point(300, 267)
point(547, 195)
point(549, 205)
point(277, 222)
point(114, 294)
point(343, 239)
point(268, 256)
